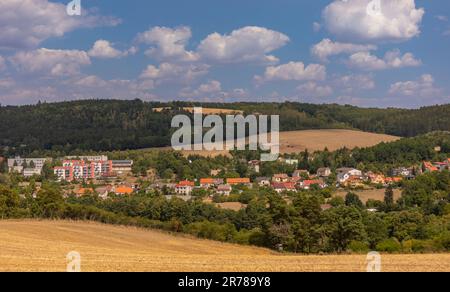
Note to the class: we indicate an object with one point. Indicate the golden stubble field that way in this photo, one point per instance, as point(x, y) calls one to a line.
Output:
point(365, 195)
point(43, 246)
point(314, 140)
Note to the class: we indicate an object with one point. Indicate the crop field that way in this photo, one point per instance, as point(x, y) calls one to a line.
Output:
point(43, 245)
point(374, 194)
point(313, 140)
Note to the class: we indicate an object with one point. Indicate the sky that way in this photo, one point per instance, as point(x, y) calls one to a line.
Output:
point(369, 53)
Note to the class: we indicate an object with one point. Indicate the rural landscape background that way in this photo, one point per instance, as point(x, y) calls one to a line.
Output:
point(403, 216)
point(91, 93)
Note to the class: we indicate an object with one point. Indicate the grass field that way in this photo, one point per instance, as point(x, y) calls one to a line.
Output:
point(373, 194)
point(43, 246)
point(317, 140)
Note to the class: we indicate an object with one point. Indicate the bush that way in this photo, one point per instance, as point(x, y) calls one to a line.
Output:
point(358, 246)
point(418, 246)
point(442, 242)
point(389, 245)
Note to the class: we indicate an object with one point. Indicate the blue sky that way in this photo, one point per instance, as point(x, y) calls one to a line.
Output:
point(253, 50)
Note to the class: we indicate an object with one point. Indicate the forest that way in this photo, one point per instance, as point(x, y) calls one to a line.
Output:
point(106, 125)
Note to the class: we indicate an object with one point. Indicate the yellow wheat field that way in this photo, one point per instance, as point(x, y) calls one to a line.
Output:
point(43, 246)
point(313, 140)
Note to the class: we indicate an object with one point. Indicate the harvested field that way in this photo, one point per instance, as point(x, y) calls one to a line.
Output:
point(315, 140)
point(373, 194)
point(43, 246)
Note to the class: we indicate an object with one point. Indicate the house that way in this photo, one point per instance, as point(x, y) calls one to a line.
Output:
point(210, 182)
point(123, 190)
point(122, 166)
point(83, 191)
point(224, 190)
point(83, 170)
point(254, 165)
point(301, 173)
point(324, 172)
point(238, 181)
point(354, 181)
point(375, 178)
point(33, 166)
point(184, 188)
point(402, 171)
point(343, 174)
point(104, 191)
point(291, 161)
point(280, 187)
point(263, 181)
point(96, 158)
point(280, 178)
point(215, 172)
point(392, 180)
point(307, 184)
point(429, 167)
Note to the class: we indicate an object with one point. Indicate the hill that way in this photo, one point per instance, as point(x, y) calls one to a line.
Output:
point(105, 125)
point(43, 246)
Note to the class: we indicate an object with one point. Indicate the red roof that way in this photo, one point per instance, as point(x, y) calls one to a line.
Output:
point(312, 182)
point(235, 181)
point(185, 183)
point(285, 185)
point(206, 181)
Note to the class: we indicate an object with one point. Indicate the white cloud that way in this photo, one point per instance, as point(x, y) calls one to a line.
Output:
point(210, 89)
point(354, 82)
point(327, 48)
point(293, 71)
point(51, 62)
point(392, 59)
point(247, 44)
point(27, 23)
point(350, 19)
point(312, 89)
point(104, 50)
point(169, 43)
point(174, 72)
point(424, 87)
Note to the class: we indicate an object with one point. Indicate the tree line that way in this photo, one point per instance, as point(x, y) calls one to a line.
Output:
point(106, 125)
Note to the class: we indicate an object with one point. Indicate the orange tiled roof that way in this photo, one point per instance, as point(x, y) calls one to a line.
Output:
point(206, 181)
point(185, 183)
point(83, 191)
point(235, 181)
point(124, 190)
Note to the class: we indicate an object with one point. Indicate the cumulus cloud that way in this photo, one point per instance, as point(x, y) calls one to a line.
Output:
point(354, 82)
point(27, 23)
point(247, 44)
point(174, 72)
point(423, 87)
point(293, 71)
point(327, 48)
point(210, 89)
point(51, 62)
point(169, 43)
point(355, 20)
point(392, 59)
point(312, 89)
point(104, 50)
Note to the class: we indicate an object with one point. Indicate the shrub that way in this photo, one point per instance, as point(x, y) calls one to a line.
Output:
point(358, 246)
point(389, 245)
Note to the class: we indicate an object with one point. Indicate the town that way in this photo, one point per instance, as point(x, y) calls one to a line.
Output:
point(83, 175)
